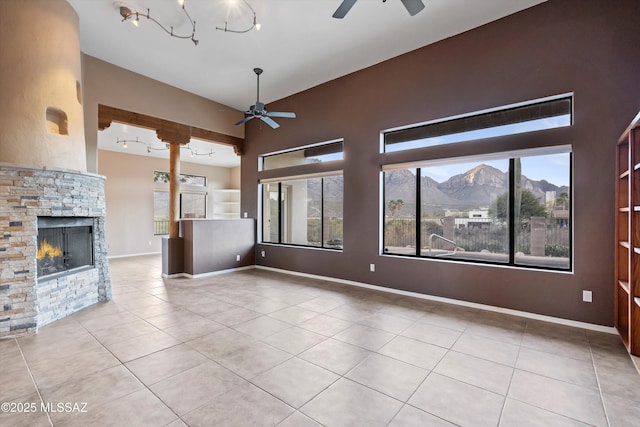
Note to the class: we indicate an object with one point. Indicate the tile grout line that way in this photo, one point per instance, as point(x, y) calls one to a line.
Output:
point(595, 369)
point(431, 371)
point(33, 380)
point(551, 378)
point(123, 364)
point(513, 373)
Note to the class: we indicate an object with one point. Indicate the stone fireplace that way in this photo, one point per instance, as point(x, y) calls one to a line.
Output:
point(41, 283)
point(46, 193)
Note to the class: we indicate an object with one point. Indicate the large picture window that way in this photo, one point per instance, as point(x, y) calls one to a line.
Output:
point(487, 205)
point(303, 212)
point(512, 209)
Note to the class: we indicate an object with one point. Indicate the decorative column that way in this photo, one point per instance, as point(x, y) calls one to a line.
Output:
point(173, 246)
point(174, 191)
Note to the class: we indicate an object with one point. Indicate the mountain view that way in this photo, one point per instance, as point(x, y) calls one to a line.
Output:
point(475, 188)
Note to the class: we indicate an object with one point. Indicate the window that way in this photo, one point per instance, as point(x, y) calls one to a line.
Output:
point(160, 212)
point(193, 205)
point(512, 209)
point(400, 198)
point(486, 205)
point(271, 213)
point(303, 212)
point(193, 199)
point(185, 179)
point(543, 215)
point(324, 152)
point(547, 113)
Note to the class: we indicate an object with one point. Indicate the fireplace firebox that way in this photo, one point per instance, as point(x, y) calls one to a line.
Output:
point(65, 245)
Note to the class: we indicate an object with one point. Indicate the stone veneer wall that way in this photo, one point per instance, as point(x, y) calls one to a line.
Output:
point(25, 194)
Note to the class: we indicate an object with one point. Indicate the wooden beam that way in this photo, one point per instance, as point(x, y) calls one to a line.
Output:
point(167, 130)
point(179, 134)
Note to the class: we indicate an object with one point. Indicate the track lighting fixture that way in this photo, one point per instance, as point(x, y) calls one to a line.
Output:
point(255, 23)
point(165, 147)
point(134, 16)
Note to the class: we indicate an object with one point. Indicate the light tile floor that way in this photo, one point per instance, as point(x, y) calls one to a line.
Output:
point(260, 348)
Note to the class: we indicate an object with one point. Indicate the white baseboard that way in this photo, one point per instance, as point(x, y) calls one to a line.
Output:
point(211, 273)
point(133, 255)
point(525, 314)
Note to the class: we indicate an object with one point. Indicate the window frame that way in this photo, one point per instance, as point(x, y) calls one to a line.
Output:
point(318, 147)
point(204, 194)
point(281, 225)
point(537, 142)
point(497, 111)
point(511, 227)
point(162, 186)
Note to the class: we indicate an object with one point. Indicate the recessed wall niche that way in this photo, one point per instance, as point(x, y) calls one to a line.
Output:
point(57, 122)
point(79, 92)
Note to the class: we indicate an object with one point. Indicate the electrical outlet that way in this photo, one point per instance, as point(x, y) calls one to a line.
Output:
point(587, 296)
point(246, 215)
point(372, 267)
point(263, 253)
point(237, 257)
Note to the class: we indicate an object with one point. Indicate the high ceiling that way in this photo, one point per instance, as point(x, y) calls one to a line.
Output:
point(299, 44)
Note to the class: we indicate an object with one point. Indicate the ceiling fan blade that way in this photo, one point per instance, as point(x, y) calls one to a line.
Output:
point(343, 9)
point(413, 6)
point(270, 122)
point(245, 120)
point(281, 114)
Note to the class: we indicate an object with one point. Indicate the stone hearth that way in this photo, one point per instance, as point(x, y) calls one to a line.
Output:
point(27, 303)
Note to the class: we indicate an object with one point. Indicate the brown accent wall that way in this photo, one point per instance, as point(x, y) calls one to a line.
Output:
point(587, 47)
point(213, 245)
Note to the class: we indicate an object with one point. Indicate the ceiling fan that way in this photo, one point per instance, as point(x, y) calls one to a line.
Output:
point(412, 6)
point(260, 112)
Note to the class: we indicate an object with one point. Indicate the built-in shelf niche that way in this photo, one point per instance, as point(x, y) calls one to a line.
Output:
point(226, 204)
point(627, 245)
point(57, 122)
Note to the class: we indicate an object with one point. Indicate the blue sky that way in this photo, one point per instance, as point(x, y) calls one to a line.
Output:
point(552, 167)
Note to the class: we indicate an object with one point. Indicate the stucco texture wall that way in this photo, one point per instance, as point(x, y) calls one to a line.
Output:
point(109, 85)
point(129, 198)
point(40, 71)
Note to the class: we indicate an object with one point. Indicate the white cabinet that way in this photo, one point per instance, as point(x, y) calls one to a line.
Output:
point(226, 204)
